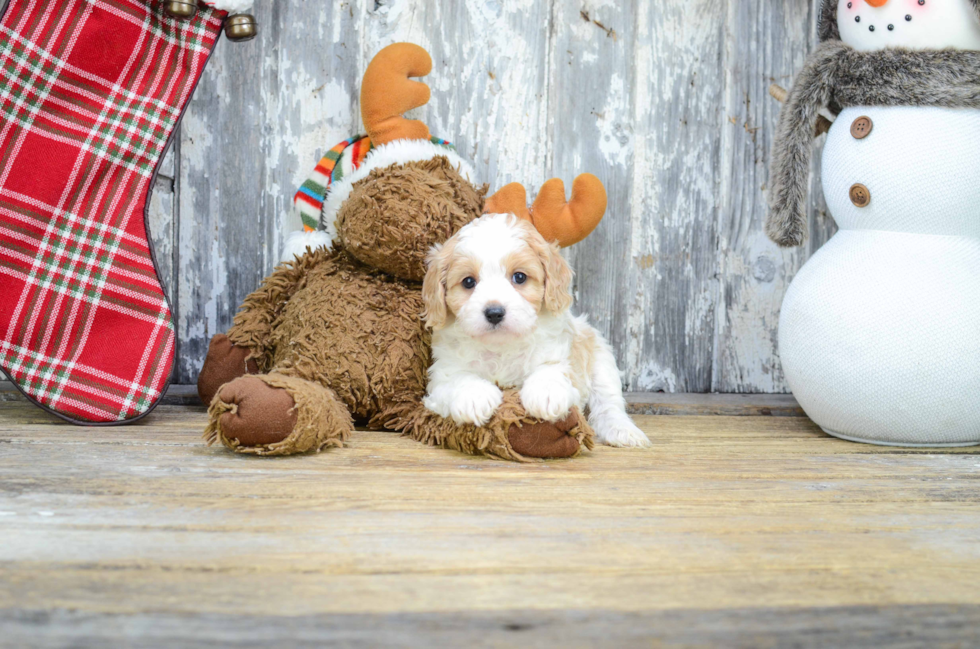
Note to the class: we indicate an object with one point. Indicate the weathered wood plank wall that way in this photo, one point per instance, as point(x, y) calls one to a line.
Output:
point(665, 100)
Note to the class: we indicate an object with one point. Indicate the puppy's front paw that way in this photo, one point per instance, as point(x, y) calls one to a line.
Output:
point(476, 403)
point(624, 434)
point(547, 400)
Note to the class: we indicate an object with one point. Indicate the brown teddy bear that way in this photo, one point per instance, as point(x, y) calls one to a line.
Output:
point(335, 336)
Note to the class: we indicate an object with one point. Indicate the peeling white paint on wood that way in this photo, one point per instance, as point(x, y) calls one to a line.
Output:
point(754, 273)
point(665, 100)
point(161, 221)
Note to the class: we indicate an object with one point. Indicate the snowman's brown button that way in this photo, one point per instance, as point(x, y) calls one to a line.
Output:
point(860, 195)
point(861, 128)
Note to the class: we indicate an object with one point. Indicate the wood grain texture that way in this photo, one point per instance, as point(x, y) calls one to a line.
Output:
point(679, 83)
point(665, 100)
point(728, 405)
point(162, 222)
point(637, 403)
point(757, 524)
point(855, 627)
point(754, 273)
point(592, 129)
point(262, 116)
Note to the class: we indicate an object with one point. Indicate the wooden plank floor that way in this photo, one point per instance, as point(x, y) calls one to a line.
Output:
point(743, 531)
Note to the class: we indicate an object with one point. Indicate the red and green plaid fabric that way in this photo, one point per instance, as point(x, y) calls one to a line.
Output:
point(90, 93)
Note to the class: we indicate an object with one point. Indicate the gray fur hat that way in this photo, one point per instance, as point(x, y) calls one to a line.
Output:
point(836, 76)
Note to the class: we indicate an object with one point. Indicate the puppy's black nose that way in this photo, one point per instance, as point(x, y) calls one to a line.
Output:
point(494, 314)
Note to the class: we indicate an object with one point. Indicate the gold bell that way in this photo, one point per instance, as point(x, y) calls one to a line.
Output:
point(180, 9)
point(241, 27)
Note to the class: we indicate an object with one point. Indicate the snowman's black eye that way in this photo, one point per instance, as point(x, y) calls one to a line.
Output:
point(468, 283)
point(891, 28)
point(872, 28)
point(922, 2)
point(908, 18)
point(857, 19)
point(850, 5)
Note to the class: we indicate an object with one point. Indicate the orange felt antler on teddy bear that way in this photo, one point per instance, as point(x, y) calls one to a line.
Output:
point(566, 222)
point(387, 92)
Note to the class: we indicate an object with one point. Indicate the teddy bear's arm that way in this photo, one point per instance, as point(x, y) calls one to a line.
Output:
point(253, 324)
point(509, 435)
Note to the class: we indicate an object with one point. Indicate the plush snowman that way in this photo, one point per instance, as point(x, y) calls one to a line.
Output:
point(879, 333)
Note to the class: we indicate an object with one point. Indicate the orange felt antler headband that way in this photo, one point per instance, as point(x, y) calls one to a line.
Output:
point(387, 92)
point(557, 220)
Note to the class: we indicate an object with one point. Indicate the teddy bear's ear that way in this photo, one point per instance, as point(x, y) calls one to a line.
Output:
point(387, 92)
point(568, 222)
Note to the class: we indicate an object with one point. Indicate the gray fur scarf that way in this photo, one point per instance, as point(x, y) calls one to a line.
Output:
point(836, 76)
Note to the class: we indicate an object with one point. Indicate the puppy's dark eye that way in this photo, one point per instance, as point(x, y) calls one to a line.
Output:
point(520, 278)
point(469, 283)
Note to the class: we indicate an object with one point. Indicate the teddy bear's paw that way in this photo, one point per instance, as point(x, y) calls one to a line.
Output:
point(260, 414)
point(475, 404)
point(225, 362)
point(546, 440)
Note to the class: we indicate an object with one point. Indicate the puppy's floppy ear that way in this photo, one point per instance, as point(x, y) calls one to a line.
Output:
point(434, 287)
point(557, 280)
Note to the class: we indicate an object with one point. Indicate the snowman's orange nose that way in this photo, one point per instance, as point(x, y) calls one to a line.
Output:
point(877, 3)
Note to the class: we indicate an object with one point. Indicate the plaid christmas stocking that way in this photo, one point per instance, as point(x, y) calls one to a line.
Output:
point(90, 94)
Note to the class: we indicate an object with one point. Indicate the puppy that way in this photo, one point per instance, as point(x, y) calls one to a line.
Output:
point(497, 299)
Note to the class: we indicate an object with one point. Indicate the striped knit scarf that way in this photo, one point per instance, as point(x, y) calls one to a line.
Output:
point(340, 161)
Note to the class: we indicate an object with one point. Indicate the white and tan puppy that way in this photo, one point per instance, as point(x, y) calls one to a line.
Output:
point(497, 299)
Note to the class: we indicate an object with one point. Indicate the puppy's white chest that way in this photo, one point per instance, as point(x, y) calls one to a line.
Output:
point(505, 369)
